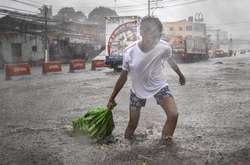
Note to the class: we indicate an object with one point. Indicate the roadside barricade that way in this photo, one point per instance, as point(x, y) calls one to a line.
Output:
point(51, 66)
point(13, 71)
point(98, 63)
point(76, 65)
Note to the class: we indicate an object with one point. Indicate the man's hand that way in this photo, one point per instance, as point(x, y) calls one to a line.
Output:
point(174, 66)
point(110, 105)
point(182, 80)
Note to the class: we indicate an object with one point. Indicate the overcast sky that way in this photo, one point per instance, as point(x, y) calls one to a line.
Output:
point(230, 15)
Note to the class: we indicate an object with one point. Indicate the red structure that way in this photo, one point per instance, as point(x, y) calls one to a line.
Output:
point(52, 66)
point(16, 70)
point(98, 63)
point(76, 65)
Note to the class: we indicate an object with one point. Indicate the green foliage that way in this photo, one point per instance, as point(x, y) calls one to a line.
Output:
point(97, 123)
point(69, 13)
point(98, 14)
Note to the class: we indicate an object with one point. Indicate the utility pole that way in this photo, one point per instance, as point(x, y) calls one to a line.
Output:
point(155, 4)
point(148, 7)
point(217, 39)
point(115, 4)
point(230, 45)
point(46, 55)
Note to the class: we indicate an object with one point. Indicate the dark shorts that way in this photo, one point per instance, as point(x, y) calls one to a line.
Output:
point(136, 103)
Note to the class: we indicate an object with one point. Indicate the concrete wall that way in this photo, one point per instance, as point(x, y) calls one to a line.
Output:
point(27, 42)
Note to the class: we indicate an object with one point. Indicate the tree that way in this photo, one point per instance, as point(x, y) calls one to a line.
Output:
point(98, 15)
point(69, 14)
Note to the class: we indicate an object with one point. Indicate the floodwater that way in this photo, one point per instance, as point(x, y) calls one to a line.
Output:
point(213, 126)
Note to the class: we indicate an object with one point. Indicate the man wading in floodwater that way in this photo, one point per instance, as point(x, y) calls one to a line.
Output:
point(145, 61)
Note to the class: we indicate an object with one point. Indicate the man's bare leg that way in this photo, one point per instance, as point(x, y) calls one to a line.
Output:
point(169, 106)
point(134, 117)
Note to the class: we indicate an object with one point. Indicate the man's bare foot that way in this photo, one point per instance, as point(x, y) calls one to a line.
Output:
point(168, 140)
point(129, 136)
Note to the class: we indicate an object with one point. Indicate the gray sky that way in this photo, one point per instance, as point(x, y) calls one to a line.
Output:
point(230, 15)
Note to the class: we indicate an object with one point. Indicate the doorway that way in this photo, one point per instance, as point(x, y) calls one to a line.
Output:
point(1, 56)
point(16, 51)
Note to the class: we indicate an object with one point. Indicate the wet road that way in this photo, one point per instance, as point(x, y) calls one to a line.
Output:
point(213, 126)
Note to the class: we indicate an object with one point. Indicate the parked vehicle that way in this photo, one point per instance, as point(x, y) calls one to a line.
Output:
point(187, 49)
point(242, 51)
point(220, 53)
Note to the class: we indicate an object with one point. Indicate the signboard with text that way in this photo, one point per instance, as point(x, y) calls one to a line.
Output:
point(120, 32)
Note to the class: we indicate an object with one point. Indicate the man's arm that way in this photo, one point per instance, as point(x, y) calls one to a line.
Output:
point(175, 67)
point(118, 86)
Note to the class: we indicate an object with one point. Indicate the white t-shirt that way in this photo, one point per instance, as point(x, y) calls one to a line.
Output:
point(146, 69)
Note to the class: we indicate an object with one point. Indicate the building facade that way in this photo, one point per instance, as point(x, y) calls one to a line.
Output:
point(72, 40)
point(184, 28)
point(216, 37)
point(17, 48)
point(20, 40)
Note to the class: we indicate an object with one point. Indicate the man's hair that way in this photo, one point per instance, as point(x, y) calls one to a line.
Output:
point(152, 21)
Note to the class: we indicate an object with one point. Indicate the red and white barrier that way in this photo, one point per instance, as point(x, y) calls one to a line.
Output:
point(76, 65)
point(12, 70)
point(51, 66)
point(98, 63)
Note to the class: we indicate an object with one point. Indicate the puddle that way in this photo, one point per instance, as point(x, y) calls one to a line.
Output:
point(241, 64)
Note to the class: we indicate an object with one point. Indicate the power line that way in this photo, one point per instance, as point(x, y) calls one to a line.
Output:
point(26, 3)
point(3, 13)
point(173, 5)
point(185, 3)
point(135, 1)
point(35, 2)
point(16, 9)
point(25, 15)
point(162, 7)
point(145, 4)
point(231, 23)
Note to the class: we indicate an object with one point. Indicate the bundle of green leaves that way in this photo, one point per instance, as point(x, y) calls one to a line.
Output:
point(97, 123)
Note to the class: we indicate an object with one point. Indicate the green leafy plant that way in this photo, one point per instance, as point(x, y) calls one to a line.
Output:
point(97, 122)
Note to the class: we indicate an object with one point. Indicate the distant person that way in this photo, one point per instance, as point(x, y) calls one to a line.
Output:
point(145, 61)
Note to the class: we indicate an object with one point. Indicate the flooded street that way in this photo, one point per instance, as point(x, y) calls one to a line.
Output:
point(213, 126)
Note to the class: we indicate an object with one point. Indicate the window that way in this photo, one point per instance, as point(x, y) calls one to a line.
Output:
point(16, 51)
point(171, 29)
point(0, 50)
point(199, 27)
point(180, 29)
point(34, 48)
point(189, 28)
